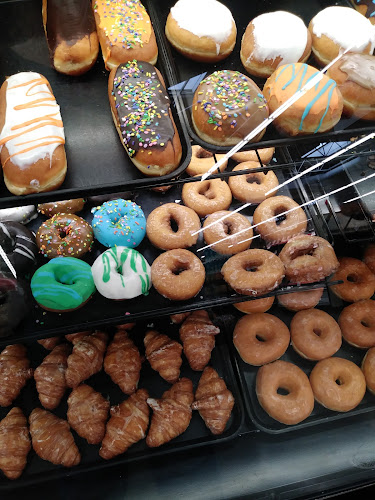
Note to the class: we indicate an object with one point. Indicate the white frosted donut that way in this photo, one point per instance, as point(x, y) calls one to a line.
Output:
point(23, 215)
point(121, 273)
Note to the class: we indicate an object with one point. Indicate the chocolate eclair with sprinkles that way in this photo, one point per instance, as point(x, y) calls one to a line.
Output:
point(142, 115)
point(227, 106)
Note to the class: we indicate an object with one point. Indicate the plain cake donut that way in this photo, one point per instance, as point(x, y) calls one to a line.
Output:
point(280, 376)
point(357, 323)
point(252, 187)
point(229, 228)
point(315, 334)
point(255, 305)
point(368, 369)
point(369, 257)
point(260, 338)
point(264, 155)
point(202, 160)
point(359, 282)
point(338, 384)
point(298, 301)
point(207, 197)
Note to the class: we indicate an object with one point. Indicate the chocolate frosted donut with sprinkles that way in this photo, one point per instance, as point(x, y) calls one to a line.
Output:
point(119, 222)
point(142, 115)
point(227, 106)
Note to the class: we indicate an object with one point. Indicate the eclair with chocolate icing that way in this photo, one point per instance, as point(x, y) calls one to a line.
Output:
point(71, 35)
point(125, 32)
point(142, 115)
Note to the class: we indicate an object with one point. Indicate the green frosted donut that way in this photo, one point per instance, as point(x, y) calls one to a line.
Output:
point(64, 284)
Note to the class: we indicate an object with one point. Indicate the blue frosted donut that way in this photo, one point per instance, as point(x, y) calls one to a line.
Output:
point(119, 222)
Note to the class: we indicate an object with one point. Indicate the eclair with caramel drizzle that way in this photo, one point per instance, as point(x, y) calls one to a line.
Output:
point(32, 135)
point(125, 32)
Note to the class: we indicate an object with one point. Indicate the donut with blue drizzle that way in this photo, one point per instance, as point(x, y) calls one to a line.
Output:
point(119, 222)
point(318, 110)
point(62, 285)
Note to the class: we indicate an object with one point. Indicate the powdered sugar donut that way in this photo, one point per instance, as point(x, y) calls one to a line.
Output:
point(121, 273)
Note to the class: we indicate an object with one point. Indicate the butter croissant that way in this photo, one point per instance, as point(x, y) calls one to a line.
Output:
point(49, 343)
point(127, 425)
point(76, 337)
point(213, 400)
point(50, 376)
point(164, 355)
point(15, 371)
point(14, 443)
point(87, 413)
point(52, 439)
point(86, 358)
point(123, 362)
point(198, 337)
point(171, 414)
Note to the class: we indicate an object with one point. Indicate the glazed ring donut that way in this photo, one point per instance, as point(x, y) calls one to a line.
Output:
point(64, 235)
point(177, 274)
point(298, 301)
point(280, 376)
point(260, 338)
point(162, 234)
point(315, 334)
point(308, 259)
point(202, 160)
point(357, 323)
point(359, 282)
point(265, 155)
point(369, 257)
point(61, 207)
point(207, 197)
point(255, 306)
point(253, 272)
point(368, 369)
point(338, 384)
point(252, 187)
point(275, 229)
point(230, 226)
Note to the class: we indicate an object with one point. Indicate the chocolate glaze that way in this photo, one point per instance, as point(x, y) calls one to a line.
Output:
point(69, 21)
point(360, 69)
point(142, 105)
point(369, 4)
point(19, 245)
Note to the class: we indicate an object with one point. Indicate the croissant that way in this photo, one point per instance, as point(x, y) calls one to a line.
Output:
point(198, 337)
point(86, 358)
point(15, 371)
point(127, 425)
point(49, 343)
point(213, 400)
point(52, 439)
point(76, 337)
point(50, 376)
point(171, 414)
point(88, 413)
point(14, 443)
point(123, 362)
point(179, 318)
point(164, 355)
point(126, 326)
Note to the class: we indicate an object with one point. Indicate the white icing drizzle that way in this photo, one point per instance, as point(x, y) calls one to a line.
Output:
point(24, 89)
point(345, 26)
point(204, 18)
point(279, 34)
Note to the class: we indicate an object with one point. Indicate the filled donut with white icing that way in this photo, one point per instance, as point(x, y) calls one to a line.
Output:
point(203, 30)
point(273, 39)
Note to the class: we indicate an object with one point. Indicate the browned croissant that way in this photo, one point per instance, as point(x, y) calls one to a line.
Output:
point(15, 371)
point(52, 439)
point(179, 318)
point(49, 343)
point(123, 362)
point(127, 425)
point(14, 443)
point(198, 337)
point(164, 355)
point(171, 414)
point(126, 326)
point(88, 413)
point(213, 400)
point(86, 358)
point(50, 376)
point(76, 337)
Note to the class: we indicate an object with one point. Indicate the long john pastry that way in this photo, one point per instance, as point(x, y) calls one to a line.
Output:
point(32, 135)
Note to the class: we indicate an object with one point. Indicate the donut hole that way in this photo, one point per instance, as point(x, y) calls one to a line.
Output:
point(228, 228)
point(279, 214)
point(366, 323)
point(173, 223)
point(339, 381)
point(283, 391)
point(179, 268)
point(300, 252)
point(317, 331)
point(203, 153)
point(251, 267)
point(260, 337)
point(253, 179)
point(206, 191)
point(353, 278)
point(63, 234)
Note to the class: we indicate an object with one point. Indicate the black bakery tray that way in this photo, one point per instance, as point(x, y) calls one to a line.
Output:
point(197, 434)
point(184, 74)
point(97, 161)
point(247, 375)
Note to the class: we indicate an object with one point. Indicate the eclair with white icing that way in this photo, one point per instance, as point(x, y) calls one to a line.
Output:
point(203, 30)
point(32, 135)
point(274, 39)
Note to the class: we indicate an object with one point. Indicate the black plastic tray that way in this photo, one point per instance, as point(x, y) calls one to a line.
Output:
point(97, 161)
point(248, 373)
point(184, 74)
point(197, 434)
